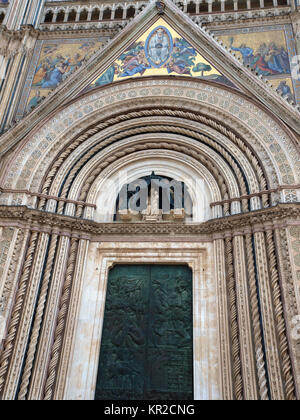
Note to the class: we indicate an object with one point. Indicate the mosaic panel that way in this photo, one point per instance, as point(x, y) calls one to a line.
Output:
point(53, 61)
point(160, 51)
point(270, 51)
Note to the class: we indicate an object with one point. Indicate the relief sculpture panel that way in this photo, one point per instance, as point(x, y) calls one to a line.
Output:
point(147, 340)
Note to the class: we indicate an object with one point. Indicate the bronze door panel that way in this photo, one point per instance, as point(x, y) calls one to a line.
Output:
point(147, 339)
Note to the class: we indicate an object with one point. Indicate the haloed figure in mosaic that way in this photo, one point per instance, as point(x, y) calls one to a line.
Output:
point(159, 47)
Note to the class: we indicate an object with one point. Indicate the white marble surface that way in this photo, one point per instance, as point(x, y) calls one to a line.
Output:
point(199, 256)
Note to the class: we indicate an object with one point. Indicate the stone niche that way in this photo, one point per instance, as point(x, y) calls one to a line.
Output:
point(154, 198)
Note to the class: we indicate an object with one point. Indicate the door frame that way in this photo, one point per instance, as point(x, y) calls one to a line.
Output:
point(83, 366)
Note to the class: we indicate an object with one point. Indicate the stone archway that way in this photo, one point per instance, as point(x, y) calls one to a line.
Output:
point(198, 180)
point(251, 169)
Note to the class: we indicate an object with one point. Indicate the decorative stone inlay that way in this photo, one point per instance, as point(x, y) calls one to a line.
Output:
point(295, 250)
point(66, 225)
point(21, 171)
point(6, 240)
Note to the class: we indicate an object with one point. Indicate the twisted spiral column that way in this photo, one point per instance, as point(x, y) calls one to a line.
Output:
point(279, 317)
point(61, 318)
point(234, 328)
point(259, 352)
point(38, 320)
point(267, 316)
point(16, 313)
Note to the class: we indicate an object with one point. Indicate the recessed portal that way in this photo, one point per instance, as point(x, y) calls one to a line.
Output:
point(154, 198)
point(147, 339)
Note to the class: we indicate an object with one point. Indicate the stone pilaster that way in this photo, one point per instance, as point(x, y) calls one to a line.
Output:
point(295, 17)
point(224, 333)
point(12, 248)
point(72, 318)
point(24, 326)
point(16, 49)
point(34, 11)
point(22, 12)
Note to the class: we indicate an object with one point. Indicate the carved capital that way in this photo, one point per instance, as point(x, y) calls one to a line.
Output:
point(14, 42)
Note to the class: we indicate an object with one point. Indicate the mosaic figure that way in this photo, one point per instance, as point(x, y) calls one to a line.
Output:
point(269, 59)
point(35, 100)
point(108, 76)
point(159, 46)
point(133, 63)
point(285, 90)
point(182, 58)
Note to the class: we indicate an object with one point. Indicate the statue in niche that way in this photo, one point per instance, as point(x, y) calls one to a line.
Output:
point(153, 212)
point(154, 198)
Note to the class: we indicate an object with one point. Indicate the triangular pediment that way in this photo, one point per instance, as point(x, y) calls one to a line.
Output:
point(160, 51)
point(205, 59)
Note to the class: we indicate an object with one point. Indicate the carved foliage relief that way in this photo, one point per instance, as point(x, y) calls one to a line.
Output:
point(295, 242)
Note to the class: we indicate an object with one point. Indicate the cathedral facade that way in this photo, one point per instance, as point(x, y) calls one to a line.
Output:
point(149, 200)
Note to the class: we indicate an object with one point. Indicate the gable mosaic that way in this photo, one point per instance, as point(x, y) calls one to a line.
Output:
point(160, 51)
point(53, 61)
point(269, 51)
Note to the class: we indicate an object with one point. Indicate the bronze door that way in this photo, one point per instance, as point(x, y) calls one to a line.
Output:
point(147, 339)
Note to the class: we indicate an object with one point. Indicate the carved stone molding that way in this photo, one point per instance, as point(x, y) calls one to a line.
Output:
point(295, 17)
point(262, 134)
point(15, 41)
point(259, 220)
point(44, 375)
point(200, 38)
